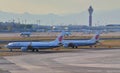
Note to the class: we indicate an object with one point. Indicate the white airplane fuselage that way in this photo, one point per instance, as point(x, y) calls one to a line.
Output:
point(36, 45)
point(76, 43)
point(67, 43)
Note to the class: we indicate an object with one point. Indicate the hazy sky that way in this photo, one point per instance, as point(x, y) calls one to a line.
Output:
point(56, 6)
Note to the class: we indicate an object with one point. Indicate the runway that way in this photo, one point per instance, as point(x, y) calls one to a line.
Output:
point(77, 61)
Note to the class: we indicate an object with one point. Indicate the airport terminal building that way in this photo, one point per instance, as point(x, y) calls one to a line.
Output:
point(16, 27)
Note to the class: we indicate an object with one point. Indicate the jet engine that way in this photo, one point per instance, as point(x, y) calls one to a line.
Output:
point(60, 44)
point(71, 45)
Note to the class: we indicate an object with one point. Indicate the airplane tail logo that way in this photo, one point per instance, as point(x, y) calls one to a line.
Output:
point(97, 37)
point(60, 38)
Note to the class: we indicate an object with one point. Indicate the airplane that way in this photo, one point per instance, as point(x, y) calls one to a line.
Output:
point(35, 46)
point(25, 34)
point(75, 43)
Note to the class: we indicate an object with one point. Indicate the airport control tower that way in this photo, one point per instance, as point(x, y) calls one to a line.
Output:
point(90, 16)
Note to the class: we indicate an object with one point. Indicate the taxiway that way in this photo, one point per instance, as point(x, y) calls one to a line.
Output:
point(77, 61)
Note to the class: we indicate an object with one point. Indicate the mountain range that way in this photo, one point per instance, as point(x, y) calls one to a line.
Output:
point(99, 18)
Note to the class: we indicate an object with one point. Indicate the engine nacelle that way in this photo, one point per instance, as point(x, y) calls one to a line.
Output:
point(60, 44)
point(23, 48)
point(71, 45)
